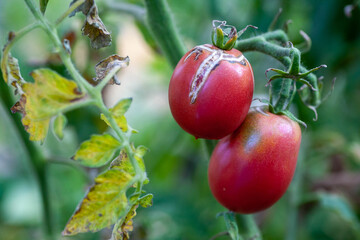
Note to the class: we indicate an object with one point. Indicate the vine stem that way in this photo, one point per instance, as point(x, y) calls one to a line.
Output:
point(93, 92)
point(132, 9)
point(69, 11)
point(294, 195)
point(163, 28)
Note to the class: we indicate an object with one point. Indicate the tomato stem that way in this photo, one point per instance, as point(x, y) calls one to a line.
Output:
point(274, 44)
point(163, 28)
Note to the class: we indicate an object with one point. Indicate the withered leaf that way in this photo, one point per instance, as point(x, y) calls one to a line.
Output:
point(10, 66)
point(125, 225)
point(109, 63)
point(93, 27)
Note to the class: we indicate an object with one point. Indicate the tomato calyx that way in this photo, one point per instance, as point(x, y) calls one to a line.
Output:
point(269, 107)
point(225, 36)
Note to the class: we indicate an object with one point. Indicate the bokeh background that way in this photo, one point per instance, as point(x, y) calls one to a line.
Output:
point(323, 201)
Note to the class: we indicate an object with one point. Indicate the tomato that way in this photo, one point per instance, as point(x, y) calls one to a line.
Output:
point(251, 169)
point(211, 91)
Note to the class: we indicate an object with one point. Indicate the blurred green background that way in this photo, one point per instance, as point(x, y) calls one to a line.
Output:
point(327, 184)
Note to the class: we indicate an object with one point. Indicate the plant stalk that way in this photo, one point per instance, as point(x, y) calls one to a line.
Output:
point(163, 28)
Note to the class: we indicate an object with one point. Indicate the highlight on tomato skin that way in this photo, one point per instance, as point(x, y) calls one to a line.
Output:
point(210, 91)
point(251, 169)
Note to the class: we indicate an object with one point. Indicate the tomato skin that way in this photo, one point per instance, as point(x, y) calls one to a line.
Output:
point(221, 103)
point(251, 169)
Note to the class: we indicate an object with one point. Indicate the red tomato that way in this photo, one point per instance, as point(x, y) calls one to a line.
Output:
point(251, 169)
point(211, 91)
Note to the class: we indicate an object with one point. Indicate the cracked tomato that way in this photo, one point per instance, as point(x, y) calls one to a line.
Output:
point(211, 91)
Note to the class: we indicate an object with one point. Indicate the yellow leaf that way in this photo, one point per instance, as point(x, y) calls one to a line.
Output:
point(117, 112)
point(121, 107)
point(123, 162)
point(120, 121)
point(59, 125)
point(104, 204)
point(49, 95)
point(97, 151)
point(125, 225)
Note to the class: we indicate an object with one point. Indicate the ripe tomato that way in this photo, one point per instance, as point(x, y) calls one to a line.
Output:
point(251, 169)
point(211, 91)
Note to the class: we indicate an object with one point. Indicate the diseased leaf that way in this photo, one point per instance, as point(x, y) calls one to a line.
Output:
point(59, 125)
point(10, 66)
point(103, 205)
point(146, 201)
point(118, 112)
point(97, 151)
point(49, 95)
point(125, 225)
point(120, 121)
point(123, 162)
point(93, 27)
point(106, 65)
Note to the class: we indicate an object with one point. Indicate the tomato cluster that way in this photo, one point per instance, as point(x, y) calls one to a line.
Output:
point(210, 94)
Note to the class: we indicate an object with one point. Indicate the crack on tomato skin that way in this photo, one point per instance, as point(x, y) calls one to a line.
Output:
point(208, 65)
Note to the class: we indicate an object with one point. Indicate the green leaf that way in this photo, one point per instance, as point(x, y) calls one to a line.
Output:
point(49, 95)
point(93, 27)
point(43, 4)
point(103, 205)
point(117, 112)
point(146, 201)
point(97, 151)
point(340, 206)
point(59, 125)
point(125, 226)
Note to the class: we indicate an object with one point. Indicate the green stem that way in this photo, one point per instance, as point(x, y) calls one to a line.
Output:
point(36, 158)
point(134, 10)
point(163, 28)
point(247, 227)
point(93, 92)
point(285, 95)
point(71, 163)
point(69, 11)
point(64, 55)
point(294, 195)
point(124, 140)
point(261, 43)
